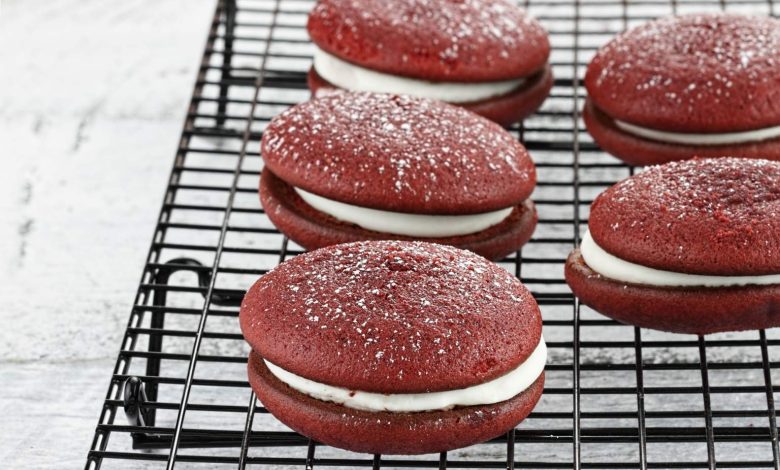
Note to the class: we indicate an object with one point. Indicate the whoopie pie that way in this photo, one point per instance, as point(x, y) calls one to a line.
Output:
point(688, 247)
point(363, 166)
point(486, 55)
point(394, 347)
point(701, 84)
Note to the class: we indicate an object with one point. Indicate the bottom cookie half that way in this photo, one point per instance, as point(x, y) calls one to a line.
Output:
point(504, 109)
point(313, 229)
point(386, 432)
point(695, 310)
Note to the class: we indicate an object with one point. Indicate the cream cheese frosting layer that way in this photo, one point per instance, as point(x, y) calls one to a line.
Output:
point(352, 77)
point(495, 391)
point(400, 223)
point(612, 267)
point(722, 138)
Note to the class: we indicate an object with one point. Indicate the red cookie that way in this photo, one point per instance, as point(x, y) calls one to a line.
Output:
point(439, 42)
point(398, 158)
point(400, 323)
point(701, 240)
point(708, 83)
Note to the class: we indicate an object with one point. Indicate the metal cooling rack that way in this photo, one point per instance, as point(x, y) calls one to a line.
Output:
point(616, 396)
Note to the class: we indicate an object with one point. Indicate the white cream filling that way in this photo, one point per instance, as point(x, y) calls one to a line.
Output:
point(721, 138)
point(620, 270)
point(401, 223)
point(356, 78)
point(494, 391)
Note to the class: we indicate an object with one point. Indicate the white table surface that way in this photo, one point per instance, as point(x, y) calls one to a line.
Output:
point(92, 99)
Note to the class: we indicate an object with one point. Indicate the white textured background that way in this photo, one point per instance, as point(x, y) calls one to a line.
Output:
point(92, 98)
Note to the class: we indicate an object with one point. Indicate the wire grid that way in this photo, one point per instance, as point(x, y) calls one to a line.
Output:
point(616, 396)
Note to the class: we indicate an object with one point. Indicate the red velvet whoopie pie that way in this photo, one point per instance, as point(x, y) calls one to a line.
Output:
point(687, 247)
point(365, 166)
point(704, 85)
point(488, 56)
point(394, 347)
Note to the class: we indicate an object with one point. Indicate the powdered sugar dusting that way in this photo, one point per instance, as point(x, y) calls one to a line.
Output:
point(696, 66)
point(393, 315)
point(709, 216)
point(398, 153)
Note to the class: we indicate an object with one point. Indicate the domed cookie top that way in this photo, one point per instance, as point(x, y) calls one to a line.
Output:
point(438, 40)
point(398, 153)
point(702, 216)
point(693, 73)
point(392, 317)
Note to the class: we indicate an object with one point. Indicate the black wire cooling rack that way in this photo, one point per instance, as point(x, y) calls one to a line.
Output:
point(616, 396)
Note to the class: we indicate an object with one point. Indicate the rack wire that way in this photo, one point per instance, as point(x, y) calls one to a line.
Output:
point(616, 397)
